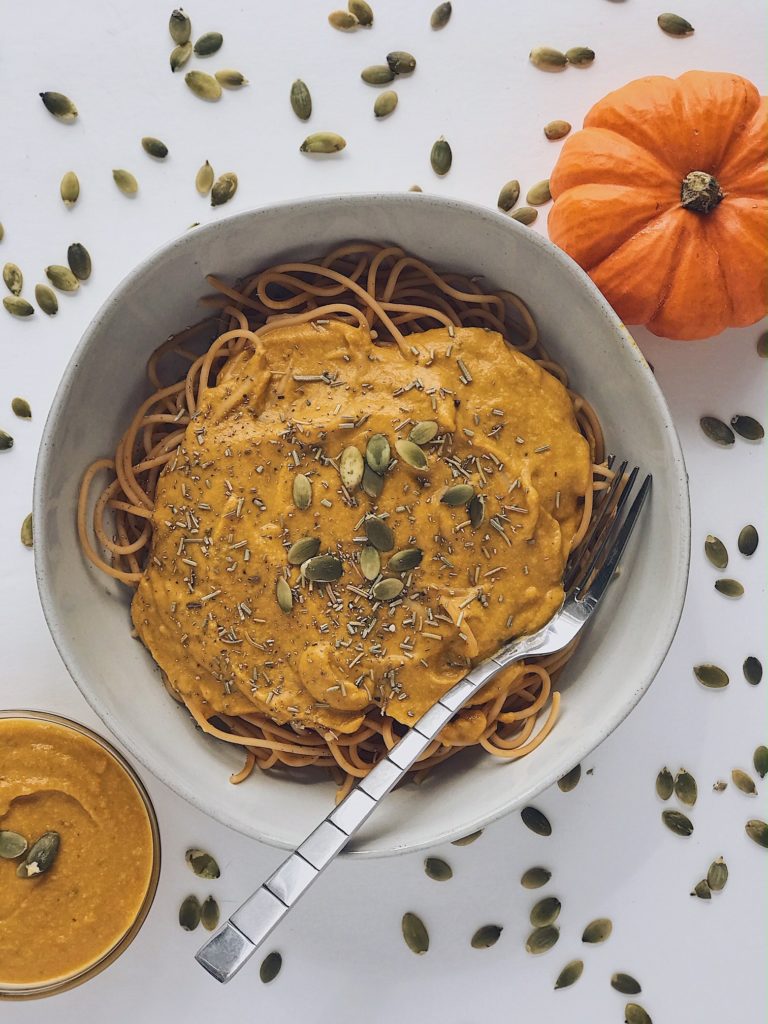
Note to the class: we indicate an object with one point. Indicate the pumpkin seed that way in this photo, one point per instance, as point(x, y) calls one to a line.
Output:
point(729, 588)
point(674, 25)
point(748, 428)
point(411, 454)
point(323, 142)
point(635, 1014)
point(415, 933)
point(570, 974)
point(717, 875)
point(189, 913)
point(547, 59)
point(180, 26)
point(760, 761)
point(377, 74)
point(405, 560)
point(180, 55)
point(625, 984)
point(270, 967)
point(21, 408)
point(441, 15)
point(303, 549)
point(509, 195)
point(702, 890)
point(6, 441)
point(284, 595)
point(535, 878)
point(545, 912)
point(686, 789)
point(370, 562)
point(26, 534)
point(717, 431)
point(70, 188)
point(342, 20)
point(302, 491)
point(580, 56)
point(570, 780)
point(542, 939)
point(441, 157)
point(719, 786)
point(377, 453)
point(536, 821)
point(423, 432)
point(2, 232)
point(224, 188)
point(664, 784)
point(712, 676)
point(301, 100)
point(525, 215)
point(438, 870)
point(458, 494)
point(716, 552)
point(744, 782)
point(401, 63)
point(362, 11)
point(62, 278)
point(677, 822)
point(385, 103)
point(40, 856)
point(351, 467)
point(202, 863)
point(387, 590)
point(556, 130)
point(486, 936)
point(476, 511)
point(415, 188)
point(209, 914)
point(18, 307)
point(46, 299)
point(539, 193)
point(12, 845)
point(748, 540)
point(204, 179)
point(203, 85)
point(155, 147)
point(208, 43)
point(753, 670)
point(757, 831)
point(61, 106)
point(126, 182)
point(322, 569)
point(762, 345)
point(79, 260)
point(468, 839)
point(597, 931)
point(373, 484)
point(13, 278)
point(379, 534)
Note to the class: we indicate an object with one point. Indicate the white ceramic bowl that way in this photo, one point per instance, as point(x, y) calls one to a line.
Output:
point(88, 614)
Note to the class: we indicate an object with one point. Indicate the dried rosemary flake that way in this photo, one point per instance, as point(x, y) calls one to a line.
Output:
point(415, 933)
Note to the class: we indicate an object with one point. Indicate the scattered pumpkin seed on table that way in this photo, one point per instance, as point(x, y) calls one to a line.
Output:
point(711, 676)
point(437, 869)
point(13, 278)
point(757, 831)
point(209, 914)
point(525, 215)
point(597, 931)
point(570, 974)
point(415, 933)
point(180, 55)
point(441, 15)
point(547, 59)
point(377, 74)
point(555, 130)
point(717, 431)
point(536, 821)
point(21, 408)
point(202, 863)
point(580, 56)
point(729, 588)
point(486, 936)
point(6, 441)
point(204, 179)
point(270, 967)
point(154, 147)
point(762, 345)
point(401, 63)
point(539, 193)
point(570, 780)
point(208, 43)
point(702, 890)
point(753, 670)
point(717, 875)
point(760, 761)
point(69, 189)
point(203, 85)
point(674, 25)
point(541, 940)
point(362, 11)
point(748, 540)
point(79, 260)
point(625, 984)
point(301, 100)
point(323, 142)
point(342, 20)
point(686, 789)
point(720, 786)
point(664, 784)
point(744, 782)
point(677, 822)
point(748, 428)
point(716, 552)
point(179, 26)
point(635, 1014)
point(535, 878)
point(125, 181)
point(441, 157)
point(545, 912)
point(17, 306)
point(62, 278)
point(385, 103)
point(2, 232)
point(61, 106)
point(508, 195)
point(468, 839)
point(224, 188)
point(189, 913)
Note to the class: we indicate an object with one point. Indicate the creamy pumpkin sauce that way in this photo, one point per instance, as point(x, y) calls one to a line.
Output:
point(54, 925)
point(225, 517)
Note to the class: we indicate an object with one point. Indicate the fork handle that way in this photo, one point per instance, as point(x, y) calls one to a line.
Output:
point(239, 938)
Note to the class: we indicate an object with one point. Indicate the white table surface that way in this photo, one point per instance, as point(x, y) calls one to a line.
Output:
point(344, 959)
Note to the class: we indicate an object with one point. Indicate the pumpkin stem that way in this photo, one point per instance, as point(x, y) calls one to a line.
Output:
point(700, 192)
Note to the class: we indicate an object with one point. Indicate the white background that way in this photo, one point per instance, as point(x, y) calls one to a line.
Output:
point(344, 959)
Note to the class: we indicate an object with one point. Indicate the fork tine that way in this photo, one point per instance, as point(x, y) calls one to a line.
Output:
point(605, 574)
point(605, 535)
point(576, 561)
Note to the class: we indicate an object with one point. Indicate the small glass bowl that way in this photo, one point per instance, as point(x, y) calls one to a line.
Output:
point(48, 988)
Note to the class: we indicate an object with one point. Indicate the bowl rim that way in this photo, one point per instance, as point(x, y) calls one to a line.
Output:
point(676, 583)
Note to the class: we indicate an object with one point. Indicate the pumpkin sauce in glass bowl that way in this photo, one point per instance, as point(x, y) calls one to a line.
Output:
point(79, 854)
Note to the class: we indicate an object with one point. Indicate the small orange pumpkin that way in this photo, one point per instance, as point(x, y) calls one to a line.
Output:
point(663, 199)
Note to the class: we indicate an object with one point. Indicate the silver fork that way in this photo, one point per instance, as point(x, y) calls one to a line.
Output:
point(586, 578)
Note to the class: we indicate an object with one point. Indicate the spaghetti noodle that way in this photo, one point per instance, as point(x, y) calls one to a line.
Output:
point(380, 298)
